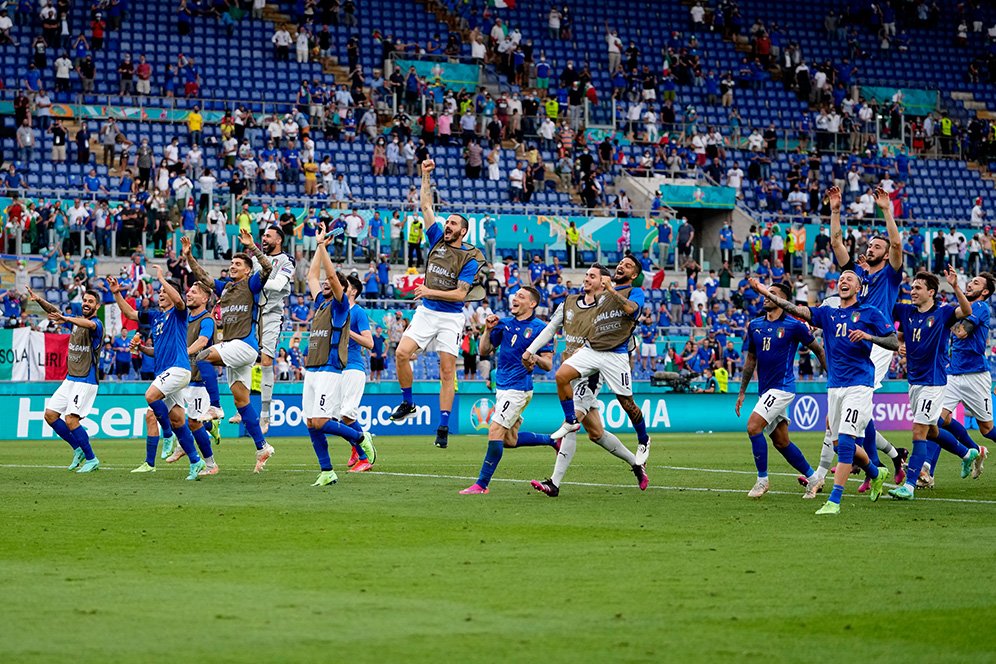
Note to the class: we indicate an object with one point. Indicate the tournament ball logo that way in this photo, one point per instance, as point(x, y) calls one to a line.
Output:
point(480, 414)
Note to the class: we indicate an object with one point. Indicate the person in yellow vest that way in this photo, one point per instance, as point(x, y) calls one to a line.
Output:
point(722, 378)
point(946, 134)
point(415, 241)
point(244, 219)
point(195, 126)
point(789, 251)
point(573, 241)
point(552, 107)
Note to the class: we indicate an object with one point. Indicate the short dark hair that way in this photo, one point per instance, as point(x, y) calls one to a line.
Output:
point(244, 257)
point(602, 270)
point(929, 280)
point(784, 287)
point(279, 231)
point(990, 282)
point(95, 294)
point(533, 293)
point(638, 264)
point(355, 283)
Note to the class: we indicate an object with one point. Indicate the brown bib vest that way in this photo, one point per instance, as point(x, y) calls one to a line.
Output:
point(443, 267)
point(193, 332)
point(612, 326)
point(320, 340)
point(81, 354)
point(578, 321)
point(236, 303)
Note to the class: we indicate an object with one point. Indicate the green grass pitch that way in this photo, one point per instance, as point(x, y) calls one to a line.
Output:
point(396, 566)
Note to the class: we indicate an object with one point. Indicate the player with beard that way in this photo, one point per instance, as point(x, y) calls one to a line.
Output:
point(74, 399)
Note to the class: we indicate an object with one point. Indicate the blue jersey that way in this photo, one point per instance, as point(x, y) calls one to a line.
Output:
point(969, 355)
point(434, 234)
point(512, 337)
point(774, 344)
point(358, 323)
point(340, 310)
point(926, 337)
point(207, 328)
point(169, 339)
point(849, 363)
point(881, 289)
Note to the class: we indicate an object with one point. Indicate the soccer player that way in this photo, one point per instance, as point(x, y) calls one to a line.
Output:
point(848, 335)
point(350, 387)
point(451, 269)
point(327, 357)
point(200, 335)
point(770, 346)
point(607, 352)
point(926, 327)
point(511, 336)
point(73, 401)
point(172, 368)
point(239, 304)
point(881, 273)
point(577, 315)
point(275, 291)
point(969, 381)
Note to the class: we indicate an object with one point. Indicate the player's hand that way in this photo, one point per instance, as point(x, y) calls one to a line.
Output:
point(862, 262)
point(428, 166)
point(882, 199)
point(606, 283)
point(113, 285)
point(185, 246)
point(858, 335)
point(834, 198)
point(529, 360)
point(758, 286)
point(901, 350)
point(740, 402)
point(420, 291)
point(320, 233)
point(245, 237)
point(56, 317)
point(159, 272)
point(951, 276)
point(491, 321)
point(33, 296)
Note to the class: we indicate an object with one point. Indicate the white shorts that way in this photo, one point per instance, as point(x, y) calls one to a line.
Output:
point(849, 410)
point(614, 367)
point(349, 393)
point(586, 398)
point(509, 405)
point(974, 391)
point(926, 402)
point(271, 326)
point(318, 395)
point(648, 349)
point(436, 331)
point(773, 406)
point(172, 384)
point(239, 357)
point(196, 402)
point(73, 398)
point(882, 359)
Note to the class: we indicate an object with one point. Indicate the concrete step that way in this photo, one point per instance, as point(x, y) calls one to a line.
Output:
point(963, 96)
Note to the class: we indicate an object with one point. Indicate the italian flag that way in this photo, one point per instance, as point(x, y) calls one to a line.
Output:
point(26, 355)
point(503, 4)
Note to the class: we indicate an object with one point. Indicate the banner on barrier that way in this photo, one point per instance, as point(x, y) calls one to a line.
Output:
point(26, 355)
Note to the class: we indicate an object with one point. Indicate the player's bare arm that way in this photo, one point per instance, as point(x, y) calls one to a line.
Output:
point(820, 354)
point(425, 194)
point(799, 311)
point(199, 272)
point(171, 293)
point(750, 364)
point(265, 264)
point(888, 342)
point(884, 203)
point(836, 233)
point(485, 349)
point(964, 306)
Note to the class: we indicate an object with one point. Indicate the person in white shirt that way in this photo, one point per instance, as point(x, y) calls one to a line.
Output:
point(802, 291)
point(270, 168)
point(853, 180)
point(516, 179)
point(755, 142)
point(650, 126)
point(266, 217)
point(698, 17)
point(354, 226)
point(281, 40)
point(249, 169)
point(735, 178)
point(217, 223)
point(172, 152)
point(182, 188)
point(301, 45)
point(614, 48)
point(63, 66)
point(978, 214)
point(698, 297)
point(275, 130)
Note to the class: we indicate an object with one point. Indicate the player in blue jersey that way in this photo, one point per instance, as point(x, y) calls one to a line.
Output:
point(770, 346)
point(327, 357)
point(511, 337)
point(172, 368)
point(881, 273)
point(452, 266)
point(848, 335)
point(925, 327)
point(969, 380)
point(239, 298)
point(349, 391)
point(74, 399)
point(607, 352)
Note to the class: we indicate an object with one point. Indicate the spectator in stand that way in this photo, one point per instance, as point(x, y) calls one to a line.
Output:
point(978, 213)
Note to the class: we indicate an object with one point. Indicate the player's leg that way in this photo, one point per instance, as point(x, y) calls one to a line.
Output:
point(849, 411)
point(156, 399)
point(53, 417)
point(349, 393)
point(203, 439)
point(497, 437)
point(265, 390)
point(209, 375)
point(882, 359)
point(566, 374)
point(151, 443)
point(447, 391)
point(317, 407)
point(793, 455)
point(756, 424)
point(91, 462)
point(403, 355)
point(178, 420)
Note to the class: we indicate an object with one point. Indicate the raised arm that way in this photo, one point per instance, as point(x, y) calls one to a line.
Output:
point(265, 264)
point(884, 203)
point(199, 272)
point(964, 306)
point(628, 305)
point(836, 233)
point(790, 308)
point(750, 363)
point(171, 293)
point(126, 309)
point(315, 269)
point(485, 348)
point(322, 255)
point(425, 196)
point(46, 306)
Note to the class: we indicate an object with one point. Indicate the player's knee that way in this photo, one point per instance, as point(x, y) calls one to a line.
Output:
point(150, 417)
point(754, 429)
point(51, 416)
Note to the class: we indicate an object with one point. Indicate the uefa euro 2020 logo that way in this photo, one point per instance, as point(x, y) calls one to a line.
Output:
point(480, 414)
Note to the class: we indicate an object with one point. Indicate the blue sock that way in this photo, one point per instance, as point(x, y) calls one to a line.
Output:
point(759, 446)
point(871, 449)
point(948, 443)
point(527, 439)
point(444, 418)
point(151, 447)
point(62, 429)
point(846, 444)
point(933, 454)
point(250, 420)
point(491, 460)
point(186, 440)
point(871, 470)
point(339, 429)
point(956, 429)
point(209, 374)
point(356, 425)
point(640, 426)
point(568, 406)
point(919, 454)
point(203, 439)
point(797, 459)
point(162, 416)
point(208, 425)
point(321, 445)
point(406, 395)
point(83, 440)
point(836, 494)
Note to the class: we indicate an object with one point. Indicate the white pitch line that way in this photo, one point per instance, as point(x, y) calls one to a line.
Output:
point(597, 485)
